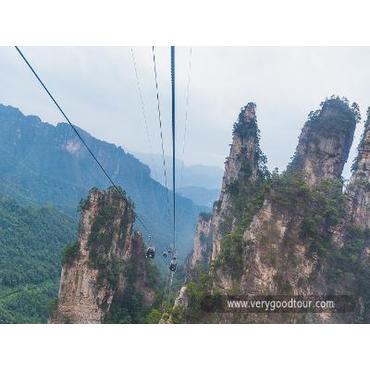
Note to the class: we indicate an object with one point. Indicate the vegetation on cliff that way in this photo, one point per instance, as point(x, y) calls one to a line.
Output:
point(247, 195)
point(335, 118)
point(70, 252)
point(31, 240)
point(130, 307)
point(106, 276)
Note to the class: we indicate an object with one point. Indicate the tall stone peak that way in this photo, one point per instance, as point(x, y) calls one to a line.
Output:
point(244, 150)
point(325, 141)
point(97, 269)
point(244, 166)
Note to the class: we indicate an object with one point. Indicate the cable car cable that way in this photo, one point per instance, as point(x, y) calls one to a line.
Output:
point(161, 129)
point(173, 264)
point(173, 119)
point(186, 113)
point(141, 98)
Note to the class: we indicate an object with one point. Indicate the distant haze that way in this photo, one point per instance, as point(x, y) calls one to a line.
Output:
point(200, 183)
point(97, 88)
point(208, 177)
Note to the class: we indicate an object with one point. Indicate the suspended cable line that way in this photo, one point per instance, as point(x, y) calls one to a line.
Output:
point(173, 120)
point(119, 190)
point(141, 98)
point(173, 263)
point(186, 113)
point(161, 129)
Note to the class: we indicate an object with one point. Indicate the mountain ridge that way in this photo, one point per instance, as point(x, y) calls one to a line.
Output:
point(41, 163)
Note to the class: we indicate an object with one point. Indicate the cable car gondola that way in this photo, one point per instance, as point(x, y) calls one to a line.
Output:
point(173, 264)
point(150, 252)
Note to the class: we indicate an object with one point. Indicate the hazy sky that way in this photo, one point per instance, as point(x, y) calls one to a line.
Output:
point(97, 88)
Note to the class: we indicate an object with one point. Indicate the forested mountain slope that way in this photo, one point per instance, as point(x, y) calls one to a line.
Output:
point(31, 240)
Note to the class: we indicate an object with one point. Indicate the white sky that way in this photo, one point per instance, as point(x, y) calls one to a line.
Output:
point(97, 88)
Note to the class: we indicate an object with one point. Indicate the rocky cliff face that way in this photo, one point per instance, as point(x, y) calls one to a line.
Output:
point(107, 259)
point(296, 233)
point(359, 186)
point(244, 169)
point(200, 257)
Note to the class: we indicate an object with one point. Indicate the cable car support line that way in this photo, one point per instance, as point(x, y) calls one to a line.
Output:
point(141, 98)
point(161, 129)
point(173, 111)
point(186, 113)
